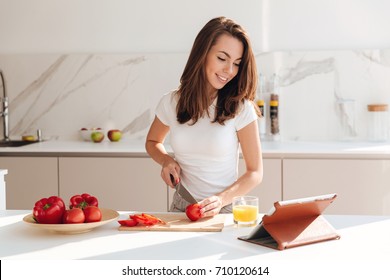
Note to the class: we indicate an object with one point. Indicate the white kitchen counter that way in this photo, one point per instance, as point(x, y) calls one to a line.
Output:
point(362, 238)
point(78, 148)
point(135, 148)
point(362, 250)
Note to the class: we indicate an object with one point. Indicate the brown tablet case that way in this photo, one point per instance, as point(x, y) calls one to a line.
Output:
point(294, 223)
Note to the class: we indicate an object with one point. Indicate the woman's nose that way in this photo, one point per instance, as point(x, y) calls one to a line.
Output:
point(229, 68)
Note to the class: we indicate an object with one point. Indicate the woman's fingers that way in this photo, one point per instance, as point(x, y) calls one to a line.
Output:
point(211, 206)
point(170, 173)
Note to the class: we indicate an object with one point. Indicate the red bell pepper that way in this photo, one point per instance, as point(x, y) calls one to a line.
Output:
point(153, 219)
point(49, 210)
point(146, 219)
point(128, 223)
point(83, 200)
point(143, 220)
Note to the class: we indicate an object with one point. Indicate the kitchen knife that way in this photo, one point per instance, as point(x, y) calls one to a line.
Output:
point(183, 192)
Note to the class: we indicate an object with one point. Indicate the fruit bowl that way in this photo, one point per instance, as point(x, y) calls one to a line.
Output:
point(86, 133)
point(108, 215)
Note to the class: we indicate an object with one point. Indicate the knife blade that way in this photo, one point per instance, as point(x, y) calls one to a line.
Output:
point(183, 192)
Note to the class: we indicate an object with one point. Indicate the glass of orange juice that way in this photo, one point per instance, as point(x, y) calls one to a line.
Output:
point(245, 210)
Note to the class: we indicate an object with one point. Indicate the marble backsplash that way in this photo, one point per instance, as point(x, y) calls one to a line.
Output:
point(61, 93)
point(324, 94)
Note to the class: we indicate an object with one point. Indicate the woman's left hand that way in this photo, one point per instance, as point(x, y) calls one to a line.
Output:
point(210, 206)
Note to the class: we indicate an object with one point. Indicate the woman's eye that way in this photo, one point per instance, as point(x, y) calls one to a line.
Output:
point(221, 58)
point(237, 64)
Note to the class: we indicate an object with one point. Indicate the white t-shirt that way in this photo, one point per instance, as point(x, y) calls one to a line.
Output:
point(206, 152)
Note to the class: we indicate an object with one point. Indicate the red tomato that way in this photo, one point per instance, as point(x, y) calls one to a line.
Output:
point(193, 212)
point(92, 214)
point(73, 216)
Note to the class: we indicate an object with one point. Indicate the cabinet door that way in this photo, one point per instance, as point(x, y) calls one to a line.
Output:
point(132, 184)
point(270, 189)
point(362, 185)
point(28, 180)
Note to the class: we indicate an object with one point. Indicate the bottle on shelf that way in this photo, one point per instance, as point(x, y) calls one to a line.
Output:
point(261, 104)
point(274, 109)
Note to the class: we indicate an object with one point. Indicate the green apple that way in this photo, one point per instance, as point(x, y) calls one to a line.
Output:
point(97, 136)
point(114, 135)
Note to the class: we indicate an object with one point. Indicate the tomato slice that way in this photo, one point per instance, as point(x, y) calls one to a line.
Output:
point(128, 223)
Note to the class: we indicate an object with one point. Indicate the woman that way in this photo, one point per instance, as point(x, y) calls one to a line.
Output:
point(209, 117)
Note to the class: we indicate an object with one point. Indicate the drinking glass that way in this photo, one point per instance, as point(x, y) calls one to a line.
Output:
point(245, 210)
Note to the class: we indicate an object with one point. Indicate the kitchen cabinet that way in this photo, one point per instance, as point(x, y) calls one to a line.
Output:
point(270, 190)
point(29, 179)
point(119, 183)
point(362, 185)
point(132, 181)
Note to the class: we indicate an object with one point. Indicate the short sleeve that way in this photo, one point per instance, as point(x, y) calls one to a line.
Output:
point(246, 116)
point(166, 109)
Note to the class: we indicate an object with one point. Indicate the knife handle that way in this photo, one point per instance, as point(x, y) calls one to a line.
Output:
point(173, 180)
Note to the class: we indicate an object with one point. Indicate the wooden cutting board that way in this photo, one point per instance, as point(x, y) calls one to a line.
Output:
point(180, 222)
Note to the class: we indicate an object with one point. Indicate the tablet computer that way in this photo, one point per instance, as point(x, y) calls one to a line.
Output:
point(295, 222)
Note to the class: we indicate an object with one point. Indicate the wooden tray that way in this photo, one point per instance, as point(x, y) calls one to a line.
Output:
point(180, 222)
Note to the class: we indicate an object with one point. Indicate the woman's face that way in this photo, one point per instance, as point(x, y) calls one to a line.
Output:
point(223, 61)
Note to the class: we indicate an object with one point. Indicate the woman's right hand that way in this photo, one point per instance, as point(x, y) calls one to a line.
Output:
point(170, 168)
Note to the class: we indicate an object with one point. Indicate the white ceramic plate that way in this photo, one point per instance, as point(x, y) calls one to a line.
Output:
point(108, 215)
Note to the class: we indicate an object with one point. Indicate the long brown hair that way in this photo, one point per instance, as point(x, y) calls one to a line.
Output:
point(193, 101)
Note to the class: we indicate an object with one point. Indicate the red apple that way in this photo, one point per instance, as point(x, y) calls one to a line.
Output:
point(97, 136)
point(114, 135)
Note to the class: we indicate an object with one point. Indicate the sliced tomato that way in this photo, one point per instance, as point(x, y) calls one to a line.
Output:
point(128, 223)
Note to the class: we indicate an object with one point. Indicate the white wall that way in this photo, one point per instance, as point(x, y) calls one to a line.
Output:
point(113, 49)
point(115, 26)
point(326, 24)
point(125, 26)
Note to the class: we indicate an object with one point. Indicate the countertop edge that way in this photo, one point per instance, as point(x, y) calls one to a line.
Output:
point(270, 150)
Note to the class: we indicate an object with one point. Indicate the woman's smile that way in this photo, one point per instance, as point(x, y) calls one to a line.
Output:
point(222, 79)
